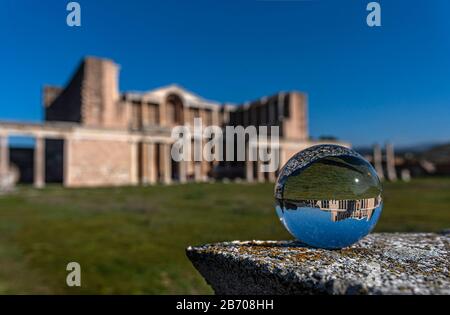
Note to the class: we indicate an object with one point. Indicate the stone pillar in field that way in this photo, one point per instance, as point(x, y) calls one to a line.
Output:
point(405, 175)
point(167, 163)
point(39, 163)
point(4, 156)
point(378, 161)
point(390, 162)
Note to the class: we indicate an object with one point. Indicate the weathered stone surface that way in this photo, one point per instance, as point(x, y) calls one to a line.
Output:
point(379, 264)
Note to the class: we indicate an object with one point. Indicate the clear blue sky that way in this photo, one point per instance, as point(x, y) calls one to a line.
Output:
point(364, 84)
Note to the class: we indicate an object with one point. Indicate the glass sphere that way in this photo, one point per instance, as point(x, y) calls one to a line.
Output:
point(328, 196)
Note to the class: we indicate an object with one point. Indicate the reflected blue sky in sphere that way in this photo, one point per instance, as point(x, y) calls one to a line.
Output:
point(315, 227)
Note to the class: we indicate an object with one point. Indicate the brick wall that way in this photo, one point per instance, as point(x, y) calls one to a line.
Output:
point(98, 163)
point(91, 97)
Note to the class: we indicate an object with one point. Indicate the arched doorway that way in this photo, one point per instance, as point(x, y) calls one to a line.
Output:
point(175, 110)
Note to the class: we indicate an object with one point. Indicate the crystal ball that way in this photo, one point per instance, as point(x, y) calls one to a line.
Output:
point(328, 196)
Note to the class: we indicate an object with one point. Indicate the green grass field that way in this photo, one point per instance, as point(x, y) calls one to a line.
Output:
point(333, 178)
point(132, 240)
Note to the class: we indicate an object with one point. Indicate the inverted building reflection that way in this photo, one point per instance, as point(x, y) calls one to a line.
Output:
point(359, 209)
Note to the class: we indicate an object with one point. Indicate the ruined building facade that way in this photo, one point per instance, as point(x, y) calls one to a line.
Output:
point(95, 135)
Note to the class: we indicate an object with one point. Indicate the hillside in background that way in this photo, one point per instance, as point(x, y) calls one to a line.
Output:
point(439, 154)
point(435, 153)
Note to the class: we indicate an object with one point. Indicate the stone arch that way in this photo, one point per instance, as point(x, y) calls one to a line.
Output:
point(175, 109)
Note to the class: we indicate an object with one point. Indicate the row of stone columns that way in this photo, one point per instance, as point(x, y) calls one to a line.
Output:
point(262, 113)
point(150, 174)
point(390, 162)
point(154, 172)
point(260, 176)
point(39, 160)
point(150, 167)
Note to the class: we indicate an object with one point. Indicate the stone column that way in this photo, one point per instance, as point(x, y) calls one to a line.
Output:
point(390, 162)
point(215, 117)
point(134, 159)
point(224, 117)
point(259, 173)
point(39, 163)
point(249, 171)
point(273, 175)
point(167, 163)
point(183, 171)
point(272, 119)
point(205, 170)
point(149, 167)
point(151, 162)
point(145, 114)
point(378, 161)
point(187, 116)
point(249, 174)
point(263, 114)
point(246, 118)
point(4, 155)
point(162, 113)
point(144, 162)
point(67, 161)
point(280, 104)
point(197, 171)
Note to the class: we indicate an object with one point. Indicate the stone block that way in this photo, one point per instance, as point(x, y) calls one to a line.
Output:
point(379, 264)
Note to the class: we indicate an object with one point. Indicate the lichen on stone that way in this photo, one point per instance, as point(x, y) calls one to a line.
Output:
point(379, 264)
